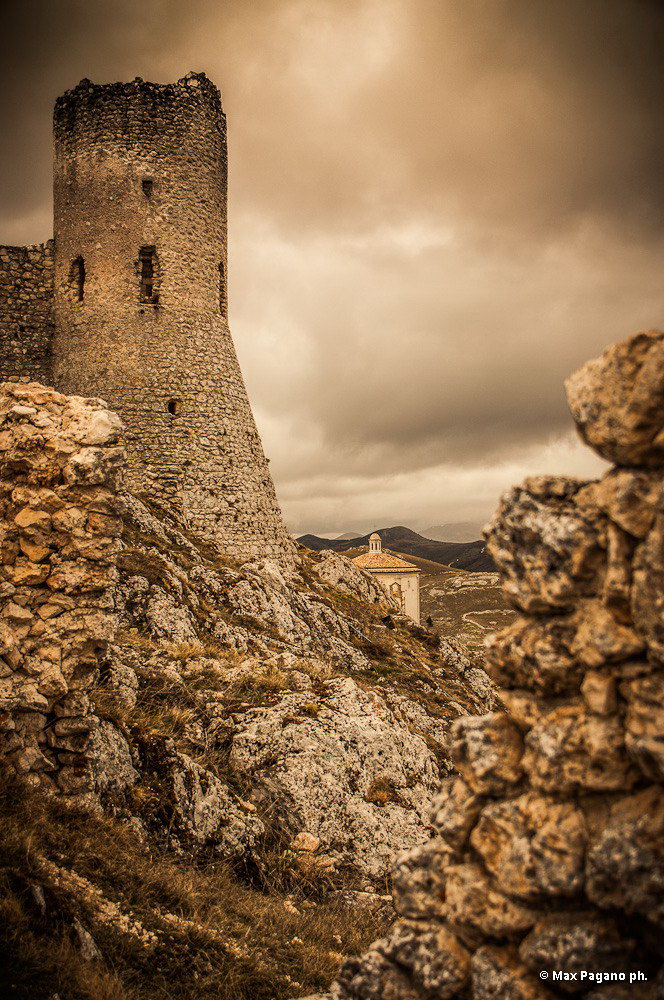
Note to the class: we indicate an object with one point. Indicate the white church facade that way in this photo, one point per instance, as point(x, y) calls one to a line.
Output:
point(399, 578)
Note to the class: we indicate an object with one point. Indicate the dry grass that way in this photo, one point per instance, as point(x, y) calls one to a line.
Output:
point(232, 942)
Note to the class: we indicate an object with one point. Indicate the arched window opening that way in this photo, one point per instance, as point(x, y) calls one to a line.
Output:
point(148, 186)
point(149, 288)
point(397, 592)
point(77, 278)
point(223, 295)
point(174, 407)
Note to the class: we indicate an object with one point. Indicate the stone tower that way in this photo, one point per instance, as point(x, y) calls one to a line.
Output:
point(140, 300)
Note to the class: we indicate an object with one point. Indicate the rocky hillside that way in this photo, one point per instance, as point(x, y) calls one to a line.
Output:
point(470, 556)
point(223, 760)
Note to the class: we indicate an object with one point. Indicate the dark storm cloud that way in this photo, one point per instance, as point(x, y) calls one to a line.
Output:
point(438, 209)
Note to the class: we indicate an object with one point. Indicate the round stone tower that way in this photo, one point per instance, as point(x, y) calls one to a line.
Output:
point(141, 300)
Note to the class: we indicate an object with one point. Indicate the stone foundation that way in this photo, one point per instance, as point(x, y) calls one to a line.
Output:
point(549, 854)
point(59, 459)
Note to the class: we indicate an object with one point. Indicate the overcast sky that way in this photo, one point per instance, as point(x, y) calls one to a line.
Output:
point(438, 209)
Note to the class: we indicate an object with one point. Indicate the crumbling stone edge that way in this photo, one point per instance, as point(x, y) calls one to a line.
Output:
point(547, 869)
point(60, 459)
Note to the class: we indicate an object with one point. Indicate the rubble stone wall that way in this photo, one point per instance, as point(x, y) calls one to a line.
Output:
point(549, 853)
point(26, 311)
point(59, 461)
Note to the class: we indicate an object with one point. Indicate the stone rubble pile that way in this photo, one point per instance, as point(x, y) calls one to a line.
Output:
point(59, 460)
point(549, 854)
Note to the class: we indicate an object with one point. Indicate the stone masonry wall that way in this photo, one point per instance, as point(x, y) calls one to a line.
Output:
point(59, 459)
point(549, 854)
point(26, 311)
point(141, 168)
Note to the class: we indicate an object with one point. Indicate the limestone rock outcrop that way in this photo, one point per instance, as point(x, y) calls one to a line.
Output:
point(549, 855)
point(336, 762)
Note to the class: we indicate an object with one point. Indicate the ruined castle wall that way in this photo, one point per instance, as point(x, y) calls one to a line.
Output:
point(59, 460)
point(549, 854)
point(26, 311)
point(140, 301)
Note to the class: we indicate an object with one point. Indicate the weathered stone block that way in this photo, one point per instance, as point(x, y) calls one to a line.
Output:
point(569, 750)
point(473, 901)
point(548, 550)
point(455, 812)
point(617, 401)
point(418, 881)
point(436, 962)
point(532, 845)
point(625, 862)
point(487, 752)
point(576, 942)
point(498, 973)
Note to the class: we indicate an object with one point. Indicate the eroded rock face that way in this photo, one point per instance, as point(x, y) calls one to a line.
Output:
point(110, 759)
point(550, 847)
point(533, 845)
point(206, 812)
point(340, 765)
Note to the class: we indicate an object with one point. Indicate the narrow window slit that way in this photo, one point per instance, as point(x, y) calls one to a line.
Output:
point(77, 278)
point(148, 185)
point(174, 407)
point(149, 290)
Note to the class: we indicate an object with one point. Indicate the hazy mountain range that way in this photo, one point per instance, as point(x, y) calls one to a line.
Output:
point(455, 531)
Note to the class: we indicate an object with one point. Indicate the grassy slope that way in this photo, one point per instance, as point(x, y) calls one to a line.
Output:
point(216, 935)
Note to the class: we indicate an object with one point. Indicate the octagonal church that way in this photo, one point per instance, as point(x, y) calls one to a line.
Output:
point(399, 578)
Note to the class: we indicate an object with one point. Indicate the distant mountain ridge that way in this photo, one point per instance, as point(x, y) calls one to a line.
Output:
point(471, 556)
point(454, 531)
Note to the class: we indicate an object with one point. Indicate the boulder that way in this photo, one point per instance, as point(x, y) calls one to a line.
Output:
point(435, 960)
point(373, 976)
point(644, 722)
point(569, 750)
point(418, 881)
point(498, 973)
point(455, 811)
point(487, 752)
point(574, 942)
point(551, 655)
point(617, 401)
point(629, 497)
point(625, 862)
point(648, 589)
point(474, 902)
point(341, 766)
point(111, 762)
